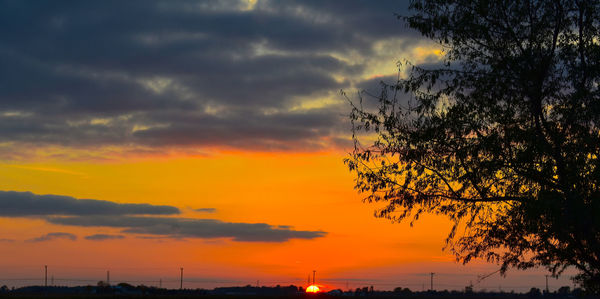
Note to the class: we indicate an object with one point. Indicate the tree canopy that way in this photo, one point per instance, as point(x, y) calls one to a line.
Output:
point(502, 136)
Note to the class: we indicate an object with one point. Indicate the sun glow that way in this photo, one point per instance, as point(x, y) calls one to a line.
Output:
point(312, 289)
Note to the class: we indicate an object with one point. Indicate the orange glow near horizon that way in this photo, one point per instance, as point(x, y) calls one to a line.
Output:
point(312, 289)
point(309, 192)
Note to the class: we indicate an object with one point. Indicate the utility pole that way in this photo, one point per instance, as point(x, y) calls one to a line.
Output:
point(432, 273)
point(107, 277)
point(45, 275)
point(181, 280)
point(314, 276)
point(547, 290)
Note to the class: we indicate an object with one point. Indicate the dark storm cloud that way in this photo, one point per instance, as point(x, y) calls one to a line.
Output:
point(54, 236)
point(104, 237)
point(24, 204)
point(356, 23)
point(237, 128)
point(240, 129)
point(46, 129)
point(166, 66)
point(191, 228)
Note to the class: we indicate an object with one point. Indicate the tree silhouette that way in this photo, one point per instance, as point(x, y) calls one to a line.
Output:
point(502, 136)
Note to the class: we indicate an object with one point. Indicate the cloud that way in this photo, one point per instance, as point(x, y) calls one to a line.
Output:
point(65, 210)
point(206, 210)
point(103, 237)
point(54, 236)
point(184, 74)
point(191, 228)
point(374, 85)
point(3, 240)
point(20, 204)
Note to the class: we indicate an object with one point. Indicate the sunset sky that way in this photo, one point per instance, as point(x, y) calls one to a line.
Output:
point(144, 136)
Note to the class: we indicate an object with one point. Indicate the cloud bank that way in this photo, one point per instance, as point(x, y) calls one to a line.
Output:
point(163, 74)
point(140, 219)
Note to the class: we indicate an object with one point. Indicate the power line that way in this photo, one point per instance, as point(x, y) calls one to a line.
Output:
point(480, 278)
point(211, 282)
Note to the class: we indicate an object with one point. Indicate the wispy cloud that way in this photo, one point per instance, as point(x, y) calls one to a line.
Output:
point(206, 210)
point(48, 169)
point(54, 236)
point(191, 228)
point(103, 237)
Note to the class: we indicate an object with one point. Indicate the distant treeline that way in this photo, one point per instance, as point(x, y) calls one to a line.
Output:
point(125, 290)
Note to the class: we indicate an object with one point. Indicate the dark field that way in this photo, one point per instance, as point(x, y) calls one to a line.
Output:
point(307, 296)
point(94, 296)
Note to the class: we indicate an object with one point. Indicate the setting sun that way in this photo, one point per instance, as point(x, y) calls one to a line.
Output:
point(312, 289)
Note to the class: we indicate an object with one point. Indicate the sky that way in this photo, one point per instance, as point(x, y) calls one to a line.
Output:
point(141, 137)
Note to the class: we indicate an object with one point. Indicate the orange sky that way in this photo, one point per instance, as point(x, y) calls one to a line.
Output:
point(306, 191)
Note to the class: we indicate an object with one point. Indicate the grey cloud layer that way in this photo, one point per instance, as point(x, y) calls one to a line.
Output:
point(19, 204)
point(65, 210)
point(180, 73)
point(191, 228)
